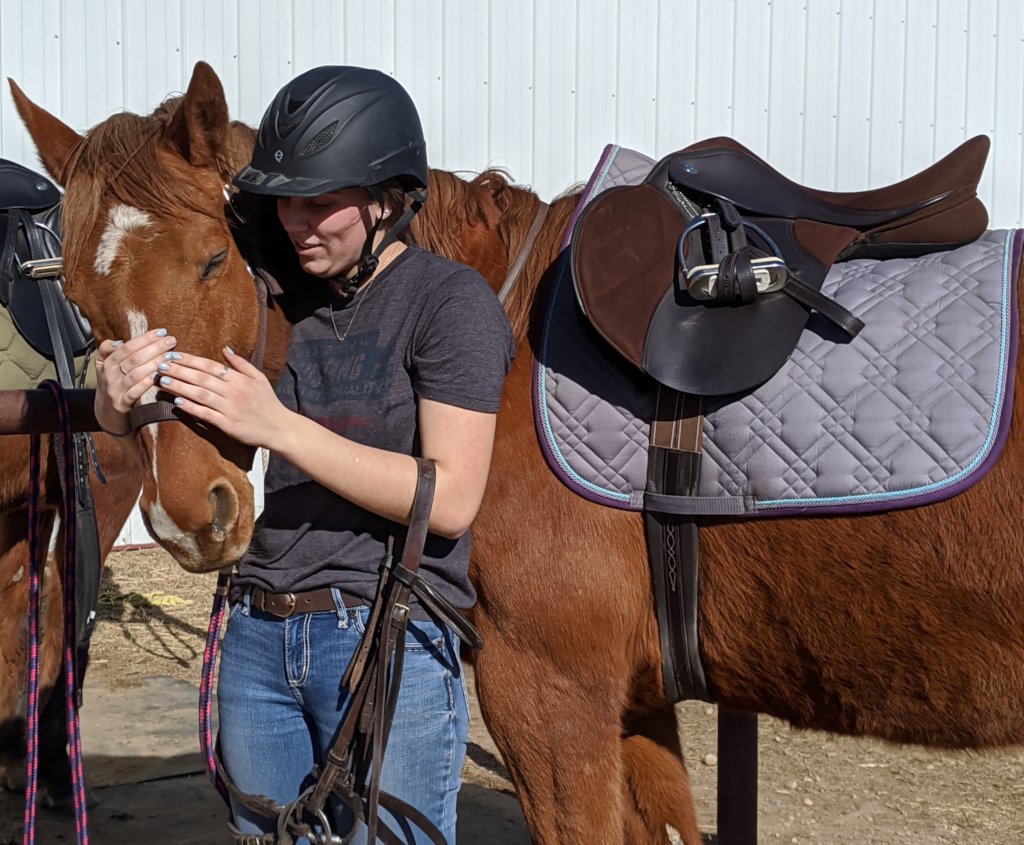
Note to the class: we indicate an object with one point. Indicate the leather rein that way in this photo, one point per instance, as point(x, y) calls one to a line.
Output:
point(351, 773)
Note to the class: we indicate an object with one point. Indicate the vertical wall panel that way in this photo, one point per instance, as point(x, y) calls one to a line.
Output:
point(838, 94)
point(511, 76)
point(557, 51)
point(465, 79)
point(920, 99)
point(677, 64)
point(596, 80)
point(1007, 162)
point(853, 101)
point(820, 125)
point(786, 72)
point(635, 107)
point(888, 90)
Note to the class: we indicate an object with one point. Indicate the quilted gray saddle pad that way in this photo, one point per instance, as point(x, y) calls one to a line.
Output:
point(915, 409)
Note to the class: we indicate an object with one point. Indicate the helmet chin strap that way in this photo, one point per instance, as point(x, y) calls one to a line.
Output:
point(348, 285)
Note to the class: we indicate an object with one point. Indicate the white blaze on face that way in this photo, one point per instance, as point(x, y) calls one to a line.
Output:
point(167, 530)
point(138, 325)
point(121, 220)
point(160, 521)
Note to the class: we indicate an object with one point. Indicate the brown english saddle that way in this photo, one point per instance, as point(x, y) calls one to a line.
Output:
point(705, 274)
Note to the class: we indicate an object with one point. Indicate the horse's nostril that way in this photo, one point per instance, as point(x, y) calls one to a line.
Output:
point(224, 502)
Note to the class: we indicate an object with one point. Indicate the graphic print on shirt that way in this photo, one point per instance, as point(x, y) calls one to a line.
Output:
point(359, 370)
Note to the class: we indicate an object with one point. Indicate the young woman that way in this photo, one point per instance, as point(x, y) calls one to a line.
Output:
point(398, 353)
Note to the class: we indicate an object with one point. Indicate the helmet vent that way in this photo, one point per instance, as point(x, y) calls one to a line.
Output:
point(286, 129)
point(321, 139)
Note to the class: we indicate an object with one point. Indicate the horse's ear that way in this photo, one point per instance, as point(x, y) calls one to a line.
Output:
point(200, 126)
point(54, 139)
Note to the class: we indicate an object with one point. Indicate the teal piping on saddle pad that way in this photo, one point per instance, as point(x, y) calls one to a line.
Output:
point(993, 427)
point(613, 495)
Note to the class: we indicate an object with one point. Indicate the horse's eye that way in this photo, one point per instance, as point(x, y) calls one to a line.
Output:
point(214, 264)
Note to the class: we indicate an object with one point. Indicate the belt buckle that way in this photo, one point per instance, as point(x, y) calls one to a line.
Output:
point(290, 597)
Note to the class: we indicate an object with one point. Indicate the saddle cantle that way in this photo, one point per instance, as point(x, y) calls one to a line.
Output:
point(30, 252)
point(626, 251)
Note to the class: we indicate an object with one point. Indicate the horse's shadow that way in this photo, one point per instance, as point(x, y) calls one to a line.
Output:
point(172, 638)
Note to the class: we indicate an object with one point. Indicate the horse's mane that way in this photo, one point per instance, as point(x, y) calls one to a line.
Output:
point(118, 158)
point(491, 201)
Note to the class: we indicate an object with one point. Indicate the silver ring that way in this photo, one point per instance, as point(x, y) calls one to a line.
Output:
point(223, 374)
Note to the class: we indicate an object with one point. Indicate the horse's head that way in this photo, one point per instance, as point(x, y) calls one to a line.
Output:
point(147, 244)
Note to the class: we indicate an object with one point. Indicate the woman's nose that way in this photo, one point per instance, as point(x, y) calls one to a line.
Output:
point(289, 212)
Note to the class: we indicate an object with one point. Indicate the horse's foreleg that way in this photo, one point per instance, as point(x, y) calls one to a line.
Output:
point(657, 785)
point(560, 741)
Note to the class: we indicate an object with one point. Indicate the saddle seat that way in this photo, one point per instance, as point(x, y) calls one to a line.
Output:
point(724, 168)
point(627, 275)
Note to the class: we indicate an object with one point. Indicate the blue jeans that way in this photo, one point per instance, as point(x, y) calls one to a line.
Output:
point(280, 703)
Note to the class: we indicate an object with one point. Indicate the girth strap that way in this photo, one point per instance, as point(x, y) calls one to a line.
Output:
point(673, 469)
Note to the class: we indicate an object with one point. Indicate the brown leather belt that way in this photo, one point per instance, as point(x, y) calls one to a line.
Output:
point(284, 605)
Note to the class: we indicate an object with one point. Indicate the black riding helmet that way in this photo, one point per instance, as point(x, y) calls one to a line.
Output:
point(337, 127)
point(340, 127)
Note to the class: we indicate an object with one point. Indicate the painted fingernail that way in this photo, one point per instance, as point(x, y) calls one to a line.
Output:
point(163, 367)
point(230, 351)
point(169, 356)
point(164, 380)
point(161, 332)
point(178, 400)
point(118, 343)
point(175, 356)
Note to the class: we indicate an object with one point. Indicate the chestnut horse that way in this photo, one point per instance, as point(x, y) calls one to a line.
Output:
point(908, 626)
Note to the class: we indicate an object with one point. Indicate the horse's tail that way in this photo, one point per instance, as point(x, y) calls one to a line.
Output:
point(659, 788)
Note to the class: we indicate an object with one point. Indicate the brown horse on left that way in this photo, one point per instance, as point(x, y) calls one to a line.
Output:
point(119, 462)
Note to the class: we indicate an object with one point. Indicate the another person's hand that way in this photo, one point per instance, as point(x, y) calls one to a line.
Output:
point(125, 370)
point(235, 397)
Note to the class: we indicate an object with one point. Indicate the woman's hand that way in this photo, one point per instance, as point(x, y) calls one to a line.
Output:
point(124, 372)
point(235, 397)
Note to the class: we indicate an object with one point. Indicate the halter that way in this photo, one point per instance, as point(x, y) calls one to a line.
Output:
point(516, 268)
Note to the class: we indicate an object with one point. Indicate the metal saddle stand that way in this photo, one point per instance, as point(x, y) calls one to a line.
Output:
point(704, 277)
point(31, 291)
point(352, 770)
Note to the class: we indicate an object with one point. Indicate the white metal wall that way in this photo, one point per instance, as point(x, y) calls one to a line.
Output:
point(838, 94)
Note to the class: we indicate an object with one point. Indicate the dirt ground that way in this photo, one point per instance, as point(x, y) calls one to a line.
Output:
point(813, 787)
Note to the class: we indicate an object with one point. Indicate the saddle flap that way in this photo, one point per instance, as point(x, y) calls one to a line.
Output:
point(623, 259)
point(624, 270)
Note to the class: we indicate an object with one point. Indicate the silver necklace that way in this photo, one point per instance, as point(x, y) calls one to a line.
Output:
point(355, 311)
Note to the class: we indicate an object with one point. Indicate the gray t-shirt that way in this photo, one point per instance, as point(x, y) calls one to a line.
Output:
point(426, 327)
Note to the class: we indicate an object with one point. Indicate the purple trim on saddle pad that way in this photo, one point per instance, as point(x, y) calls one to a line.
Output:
point(899, 418)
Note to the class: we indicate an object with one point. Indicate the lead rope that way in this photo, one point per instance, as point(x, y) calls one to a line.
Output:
point(206, 740)
point(63, 451)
